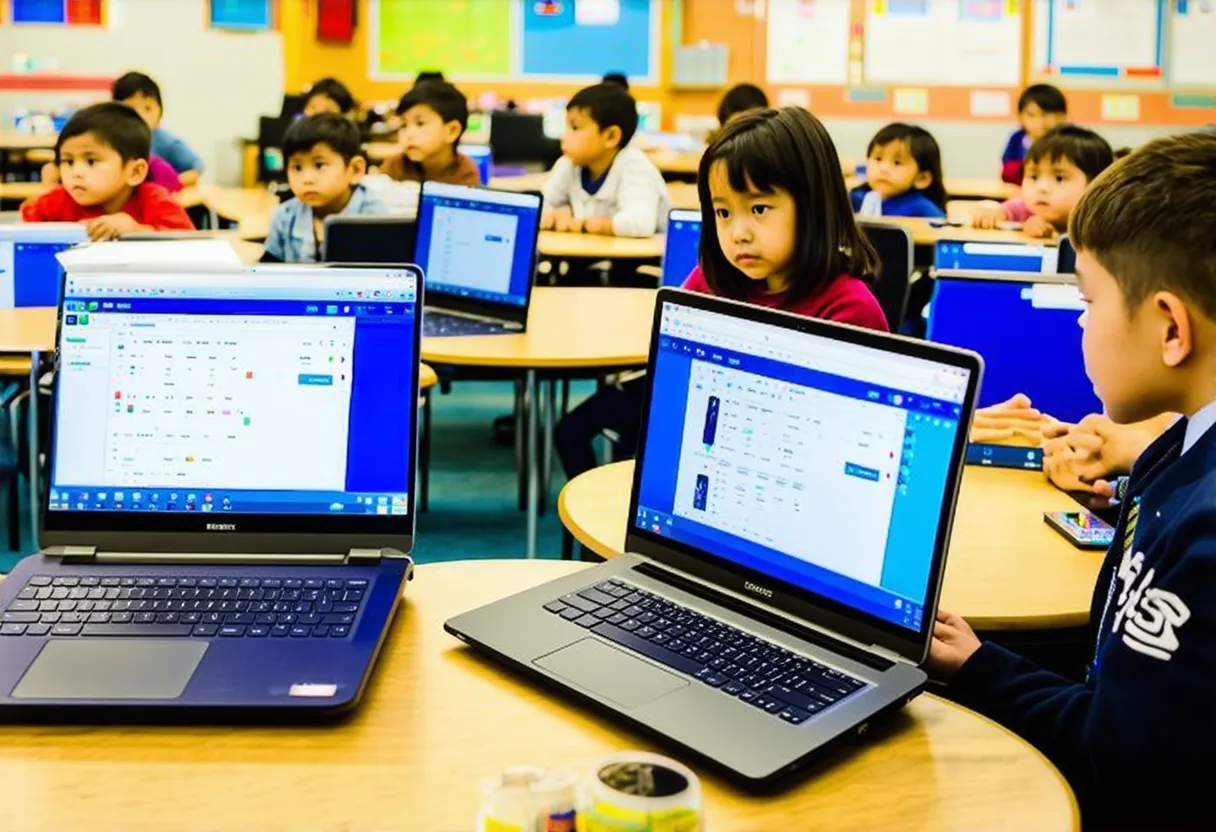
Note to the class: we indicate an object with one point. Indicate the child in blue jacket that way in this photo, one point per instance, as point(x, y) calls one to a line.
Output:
point(1135, 739)
point(903, 175)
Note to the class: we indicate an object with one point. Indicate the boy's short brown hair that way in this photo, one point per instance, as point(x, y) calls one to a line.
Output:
point(1150, 220)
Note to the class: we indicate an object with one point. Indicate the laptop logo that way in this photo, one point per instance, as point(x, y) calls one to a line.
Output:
point(221, 527)
point(756, 589)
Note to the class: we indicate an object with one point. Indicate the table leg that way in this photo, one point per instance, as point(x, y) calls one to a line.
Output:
point(547, 459)
point(33, 441)
point(530, 459)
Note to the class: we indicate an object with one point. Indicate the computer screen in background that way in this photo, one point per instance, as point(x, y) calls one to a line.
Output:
point(1028, 334)
point(476, 243)
point(483, 156)
point(681, 253)
point(29, 273)
point(278, 391)
point(817, 463)
point(959, 255)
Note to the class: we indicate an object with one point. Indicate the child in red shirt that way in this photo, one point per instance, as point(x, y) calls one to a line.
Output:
point(103, 163)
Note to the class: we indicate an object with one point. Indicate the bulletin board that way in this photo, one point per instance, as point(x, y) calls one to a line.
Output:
point(1100, 40)
point(943, 42)
point(1192, 38)
point(542, 40)
point(808, 41)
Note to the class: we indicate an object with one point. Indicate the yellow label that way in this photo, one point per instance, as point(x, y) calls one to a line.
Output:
point(492, 825)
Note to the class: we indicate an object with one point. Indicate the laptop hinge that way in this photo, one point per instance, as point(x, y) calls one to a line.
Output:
point(890, 655)
point(364, 556)
point(78, 554)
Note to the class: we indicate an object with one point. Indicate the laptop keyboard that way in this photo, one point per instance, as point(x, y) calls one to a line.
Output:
point(202, 607)
point(439, 325)
point(764, 675)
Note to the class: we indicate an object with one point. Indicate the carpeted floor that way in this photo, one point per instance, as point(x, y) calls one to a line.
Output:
point(474, 504)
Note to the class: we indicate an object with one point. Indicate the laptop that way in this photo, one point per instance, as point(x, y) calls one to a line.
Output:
point(369, 239)
point(230, 498)
point(681, 252)
point(970, 255)
point(1020, 323)
point(29, 273)
point(789, 520)
point(477, 248)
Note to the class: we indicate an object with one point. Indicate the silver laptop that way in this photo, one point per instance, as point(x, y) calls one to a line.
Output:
point(791, 510)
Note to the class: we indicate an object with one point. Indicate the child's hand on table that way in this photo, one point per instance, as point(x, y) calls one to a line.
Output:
point(111, 226)
point(1039, 228)
point(1011, 422)
point(954, 642)
point(988, 217)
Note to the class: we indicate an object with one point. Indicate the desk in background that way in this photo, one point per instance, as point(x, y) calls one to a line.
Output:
point(1007, 570)
point(569, 329)
point(437, 718)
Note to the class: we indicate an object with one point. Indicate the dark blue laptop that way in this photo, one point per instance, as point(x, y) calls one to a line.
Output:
point(477, 248)
point(1023, 325)
point(682, 250)
point(29, 273)
point(230, 496)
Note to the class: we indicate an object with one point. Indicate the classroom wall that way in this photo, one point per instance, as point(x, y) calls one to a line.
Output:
point(215, 84)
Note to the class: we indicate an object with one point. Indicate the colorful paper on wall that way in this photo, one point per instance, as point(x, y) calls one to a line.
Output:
point(911, 101)
point(1121, 108)
point(991, 103)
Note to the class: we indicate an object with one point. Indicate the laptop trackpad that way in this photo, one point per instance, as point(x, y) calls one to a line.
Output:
point(128, 669)
point(610, 673)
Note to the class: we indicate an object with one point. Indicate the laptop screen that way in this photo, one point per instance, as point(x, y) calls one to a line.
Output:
point(478, 244)
point(814, 462)
point(682, 251)
point(1020, 327)
point(29, 273)
point(960, 255)
point(278, 391)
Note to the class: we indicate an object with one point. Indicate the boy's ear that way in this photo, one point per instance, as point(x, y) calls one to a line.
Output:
point(923, 180)
point(135, 172)
point(452, 131)
point(357, 167)
point(1177, 334)
point(612, 136)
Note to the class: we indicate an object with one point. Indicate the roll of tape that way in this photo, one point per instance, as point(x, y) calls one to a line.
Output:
point(639, 792)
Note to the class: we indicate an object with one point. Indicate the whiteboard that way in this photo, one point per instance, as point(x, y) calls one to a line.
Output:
point(808, 41)
point(943, 42)
point(1103, 37)
point(1193, 40)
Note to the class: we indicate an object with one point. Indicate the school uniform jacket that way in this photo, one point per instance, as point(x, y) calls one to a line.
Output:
point(1137, 739)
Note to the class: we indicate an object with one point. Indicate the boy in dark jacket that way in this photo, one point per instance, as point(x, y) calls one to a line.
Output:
point(1136, 738)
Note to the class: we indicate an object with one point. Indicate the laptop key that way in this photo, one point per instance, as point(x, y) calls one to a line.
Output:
point(13, 629)
point(555, 607)
point(232, 630)
point(37, 629)
point(587, 621)
point(709, 677)
point(794, 716)
point(19, 618)
point(27, 605)
point(39, 580)
point(732, 688)
point(280, 630)
point(258, 631)
point(748, 695)
point(205, 630)
point(604, 613)
point(640, 645)
point(339, 632)
point(320, 631)
point(630, 625)
point(136, 630)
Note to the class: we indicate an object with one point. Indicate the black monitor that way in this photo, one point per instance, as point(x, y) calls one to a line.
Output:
point(520, 137)
point(387, 240)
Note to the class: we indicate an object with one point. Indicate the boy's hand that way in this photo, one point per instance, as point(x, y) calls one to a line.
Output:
point(598, 225)
point(111, 226)
point(954, 642)
point(189, 178)
point(1085, 456)
point(1011, 422)
point(547, 219)
point(988, 217)
point(563, 220)
point(1039, 228)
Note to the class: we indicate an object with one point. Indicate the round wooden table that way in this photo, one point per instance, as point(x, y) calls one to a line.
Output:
point(569, 328)
point(1006, 570)
point(437, 718)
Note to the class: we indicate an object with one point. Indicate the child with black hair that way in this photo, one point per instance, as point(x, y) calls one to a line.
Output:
point(601, 185)
point(739, 99)
point(329, 95)
point(102, 153)
point(142, 94)
point(434, 115)
point(324, 170)
point(1041, 107)
point(618, 78)
point(903, 175)
point(783, 236)
point(1058, 168)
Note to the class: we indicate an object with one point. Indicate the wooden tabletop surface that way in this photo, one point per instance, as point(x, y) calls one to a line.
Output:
point(11, 139)
point(437, 719)
point(568, 327)
point(27, 329)
point(1006, 570)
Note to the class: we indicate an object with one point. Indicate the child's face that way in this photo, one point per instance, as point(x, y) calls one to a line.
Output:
point(425, 134)
point(1051, 188)
point(1122, 347)
point(584, 142)
point(755, 229)
point(891, 170)
point(320, 178)
point(318, 104)
point(94, 173)
point(1037, 123)
point(147, 108)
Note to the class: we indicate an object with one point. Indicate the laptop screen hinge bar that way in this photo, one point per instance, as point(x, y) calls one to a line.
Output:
point(79, 554)
point(364, 556)
point(890, 655)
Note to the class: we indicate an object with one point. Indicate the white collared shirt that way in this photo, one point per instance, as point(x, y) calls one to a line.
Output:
point(1198, 425)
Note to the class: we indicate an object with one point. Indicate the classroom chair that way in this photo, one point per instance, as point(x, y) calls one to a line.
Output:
point(895, 255)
